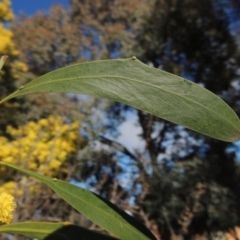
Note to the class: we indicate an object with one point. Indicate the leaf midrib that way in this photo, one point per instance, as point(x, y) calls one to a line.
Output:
point(130, 79)
point(18, 229)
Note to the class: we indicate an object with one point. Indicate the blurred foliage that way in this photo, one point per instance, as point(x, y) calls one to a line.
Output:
point(193, 39)
point(13, 68)
point(50, 41)
point(39, 132)
point(111, 25)
point(202, 48)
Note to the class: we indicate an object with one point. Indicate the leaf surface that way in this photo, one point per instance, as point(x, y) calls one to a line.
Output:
point(52, 231)
point(31, 229)
point(154, 91)
point(102, 212)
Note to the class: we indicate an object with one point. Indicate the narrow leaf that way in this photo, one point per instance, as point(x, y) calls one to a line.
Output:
point(38, 230)
point(52, 231)
point(160, 93)
point(106, 215)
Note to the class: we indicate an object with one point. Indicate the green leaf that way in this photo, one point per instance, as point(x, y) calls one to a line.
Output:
point(154, 91)
point(52, 231)
point(102, 212)
point(38, 230)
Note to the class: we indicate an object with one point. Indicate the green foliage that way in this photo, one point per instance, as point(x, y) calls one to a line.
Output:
point(99, 211)
point(53, 40)
point(108, 79)
point(52, 231)
point(12, 69)
point(178, 170)
point(159, 93)
point(38, 230)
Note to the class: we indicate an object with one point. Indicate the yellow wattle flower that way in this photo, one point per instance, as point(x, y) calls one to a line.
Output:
point(7, 206)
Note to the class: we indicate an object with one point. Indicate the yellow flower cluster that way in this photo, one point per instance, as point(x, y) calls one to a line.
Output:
point(6, 13)
point(7, 206)
point(11, 188)
point(19, 68)
point(41, 146)
point(6, 43)
point(7, 46)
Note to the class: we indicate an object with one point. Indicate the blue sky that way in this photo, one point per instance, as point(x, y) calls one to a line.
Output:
point(29, 7)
